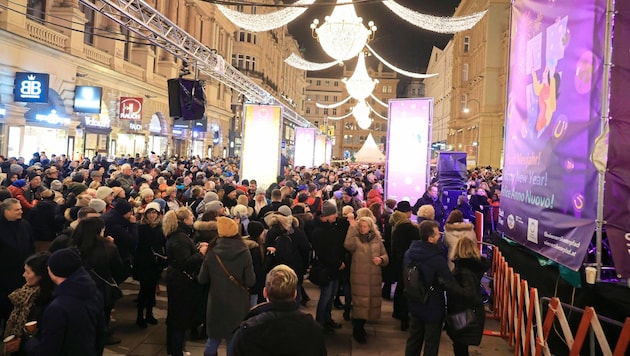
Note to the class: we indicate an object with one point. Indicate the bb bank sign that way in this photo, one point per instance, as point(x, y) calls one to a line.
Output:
point(130, 109)
point(31, 87)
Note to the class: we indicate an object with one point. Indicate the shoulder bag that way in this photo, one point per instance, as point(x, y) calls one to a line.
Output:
point(230, 276)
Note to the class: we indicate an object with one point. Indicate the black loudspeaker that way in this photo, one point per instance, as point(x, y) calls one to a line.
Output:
point(451, 172)
point(174, 107)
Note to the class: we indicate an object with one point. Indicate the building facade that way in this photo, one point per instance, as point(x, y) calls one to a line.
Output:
point(440, 88)
point(73, 46)
point(479, 79)
point(347, 136)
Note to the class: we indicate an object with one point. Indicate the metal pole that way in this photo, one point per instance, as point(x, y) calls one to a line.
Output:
point(610, 7)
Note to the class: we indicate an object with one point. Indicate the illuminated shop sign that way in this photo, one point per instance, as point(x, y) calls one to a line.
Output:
point(52, 118)
point(3, 111)
point(97, 122)
point(31, 87)
point(88, 99)
point(135, 126)
point(130, 108)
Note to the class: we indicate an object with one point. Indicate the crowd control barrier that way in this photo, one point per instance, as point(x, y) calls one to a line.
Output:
point(518, 307)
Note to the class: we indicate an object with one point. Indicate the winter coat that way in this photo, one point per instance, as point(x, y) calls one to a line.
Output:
point(374, 197)
point(278, 328)
point(452, 233)
point(436, 273)
point(125, 234)
point(467, 274)
point(184, 293)
point(403, 233)
point(19, 194)
point(74, 322)
point(327, 240)
point(16, 244)
point(440, 214)
point(43, 219)
point(467, 212)
point(147, 266)
point(227, 303)
point(297, 257)
point(365, 276)
point(257, 261)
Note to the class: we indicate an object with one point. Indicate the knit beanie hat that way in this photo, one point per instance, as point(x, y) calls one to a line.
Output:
point(284, 210)
point(56, 185)
point(329, 208)
point(103, 192)
point(255, 229)
point(122, 207)
point(226, 227)
point(97, 204)
point(214, 206)
point(64, 262)
point(20, 183)
point(210, 196)
point(153, 205)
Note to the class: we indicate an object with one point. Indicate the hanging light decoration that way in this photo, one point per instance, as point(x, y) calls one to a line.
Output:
point(360, 85)
point(342, 35)
point(268, 21)
point(435, 23)
point(364, 123)
point(361, 113)
point(298, 62)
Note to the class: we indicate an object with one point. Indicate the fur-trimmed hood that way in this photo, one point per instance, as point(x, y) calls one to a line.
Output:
point(205, 225)
point(250, 243)
point(459, 226)
point(288, 223)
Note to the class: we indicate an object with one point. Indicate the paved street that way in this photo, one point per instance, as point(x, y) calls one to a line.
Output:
point(384, 336)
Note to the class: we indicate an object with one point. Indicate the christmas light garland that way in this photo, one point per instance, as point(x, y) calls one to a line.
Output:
point(333, 106)
point(300, 63)
point(268, 21)
point(378, 100)
point(398, 70)
point(435, 23)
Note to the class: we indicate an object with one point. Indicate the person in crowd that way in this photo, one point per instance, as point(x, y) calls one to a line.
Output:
point(388, 271)
point(464, 206)
point(276, 202)
point(196, 198)
point(100, 257)
point(258, 202)
point(29, 301)
point(51, 174)
point(73, 323)
point(146, 196)
point(431, 197)
point(278, 327)
point(121, 225)
point(349, 198)
point(229, 270)
point(149, 261)
point(255, 242)
point(328, 235)
point(207, 198)
point(16, 244)
point(375, 195)
point(229, 196)
point(469, 268)
point(170, 196)
point(125, 178)
point(17, 190)
point(455, 229)
point(184, 262)
point(403, 233)
point(241, 212)
point(287, 243)
point(45, 220)
point(64, 239)
point(368, 255)
point(427, 319)
point(10, 178)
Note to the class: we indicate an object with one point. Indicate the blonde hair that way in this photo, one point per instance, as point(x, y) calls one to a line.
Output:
point(281, 283)
point(466, 248)
point(368, 220)
point(172, 218)
point(242, 200)
point(347, 209)
point(366, 213)
point(426, 211)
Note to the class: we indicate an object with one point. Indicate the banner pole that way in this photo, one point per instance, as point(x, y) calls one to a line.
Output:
point(610, 8)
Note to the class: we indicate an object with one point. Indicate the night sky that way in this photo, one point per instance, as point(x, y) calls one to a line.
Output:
point(400, 43)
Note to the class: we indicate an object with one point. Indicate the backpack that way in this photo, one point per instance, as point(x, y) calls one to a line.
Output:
point(286, 253)
point(417, 290)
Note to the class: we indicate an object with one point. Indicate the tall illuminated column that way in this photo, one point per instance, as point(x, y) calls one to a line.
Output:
point(320, 149)
point(304, 146)
point(328, 150)
point(261, 143)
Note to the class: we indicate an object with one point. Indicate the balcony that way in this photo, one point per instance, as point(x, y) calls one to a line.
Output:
point(40, 33)
point(97, 55)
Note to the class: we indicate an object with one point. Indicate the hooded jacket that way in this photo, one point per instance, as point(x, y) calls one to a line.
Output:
point(454, 232)
point(74, 322)
point(403, 233)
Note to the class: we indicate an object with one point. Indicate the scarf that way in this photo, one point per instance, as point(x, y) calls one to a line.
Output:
point(367, 237)
point(23, 300)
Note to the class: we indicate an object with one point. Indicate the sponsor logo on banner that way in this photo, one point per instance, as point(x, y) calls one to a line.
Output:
point(130, 108)
point(532, 230)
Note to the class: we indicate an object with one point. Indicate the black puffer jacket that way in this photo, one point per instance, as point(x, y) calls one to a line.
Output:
point(467, 274)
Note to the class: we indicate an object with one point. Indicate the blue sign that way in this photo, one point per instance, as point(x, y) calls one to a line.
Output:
point(283, 144)
point(87, 99)
point(31, 87)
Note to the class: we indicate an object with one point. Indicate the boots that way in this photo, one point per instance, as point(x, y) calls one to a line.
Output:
point(140, 321)
point(150, 318)
point(358, 330)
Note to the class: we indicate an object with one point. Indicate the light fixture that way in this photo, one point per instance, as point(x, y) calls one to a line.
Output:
point(342, 35)
point(361, 113)
point(268, 21)
point(364, 123)
point(360, 85)
point(435, 23)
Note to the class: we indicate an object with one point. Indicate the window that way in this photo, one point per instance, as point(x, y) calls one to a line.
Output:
point(327, 83)
point(316, 123)
point(36, 10)
point(308, 110)
point(383, 127)
point(325, 111)
point(325, 97)
point(239, 8)
point(308, 97)
point(88, 28)
point(310, 81)
point(466, 44)
point(464, 102)
point(253, 63)
point(253, 9)
point(334, 111)
point(386, 89)
point(316, 111)
point(465, 72)
point(336, 83)
point(241, 36)
point(335, 99)
point(318, 83)
point(317, 98)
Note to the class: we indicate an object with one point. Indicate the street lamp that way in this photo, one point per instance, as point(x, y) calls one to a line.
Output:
point(466, 110)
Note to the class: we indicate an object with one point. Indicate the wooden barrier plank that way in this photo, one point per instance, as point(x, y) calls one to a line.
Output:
point(624, 339)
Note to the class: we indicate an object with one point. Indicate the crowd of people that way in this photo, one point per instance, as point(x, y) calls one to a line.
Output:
point(234, 255)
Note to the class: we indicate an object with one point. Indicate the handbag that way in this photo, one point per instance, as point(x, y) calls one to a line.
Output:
point(318, 274)
point(230, 276)
point(458, 321)
point(111, 290)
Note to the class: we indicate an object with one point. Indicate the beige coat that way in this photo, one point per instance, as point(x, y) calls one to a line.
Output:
point(365, 276)
point(452, 233)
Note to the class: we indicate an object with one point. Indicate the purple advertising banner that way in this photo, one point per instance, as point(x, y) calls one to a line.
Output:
point(617, 188)
point(549, 190)
point(408, 143)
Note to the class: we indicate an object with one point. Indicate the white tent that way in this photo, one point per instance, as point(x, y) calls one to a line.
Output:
point(369, 153)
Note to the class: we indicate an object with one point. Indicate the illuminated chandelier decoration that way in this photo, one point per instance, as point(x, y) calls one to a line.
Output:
point(360, 85)
point(435, 23)
point(361, 113)
point(268, 21)
point(342, 35)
